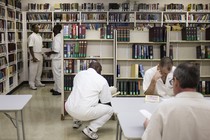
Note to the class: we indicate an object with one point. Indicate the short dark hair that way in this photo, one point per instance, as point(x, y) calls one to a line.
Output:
point(188, 75)
point(96, 66)
point(166, 62)
point(58, 27)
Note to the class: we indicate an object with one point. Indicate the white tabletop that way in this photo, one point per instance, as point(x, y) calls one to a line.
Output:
point(13, 102)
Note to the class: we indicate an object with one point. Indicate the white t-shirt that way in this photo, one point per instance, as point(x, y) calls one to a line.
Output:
point(185, 117)
point(162, 89)
point(56, 47)
point(35, 41)
point(89, 87)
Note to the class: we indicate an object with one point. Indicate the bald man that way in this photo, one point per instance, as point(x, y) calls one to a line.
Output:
point(90, 100)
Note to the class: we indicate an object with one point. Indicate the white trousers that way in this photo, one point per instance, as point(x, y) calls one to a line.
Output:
point(56, 69)
point(35, 70)
point(97, 115)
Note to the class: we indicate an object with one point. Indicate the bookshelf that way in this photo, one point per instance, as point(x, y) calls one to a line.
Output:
point(130, 57)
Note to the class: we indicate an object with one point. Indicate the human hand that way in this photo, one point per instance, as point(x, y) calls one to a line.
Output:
point(35, 59)
point(157, 75)
point(48, 54)
point(146, 122)
point(113, 89)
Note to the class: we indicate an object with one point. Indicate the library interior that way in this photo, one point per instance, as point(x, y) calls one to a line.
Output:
point(91, 69)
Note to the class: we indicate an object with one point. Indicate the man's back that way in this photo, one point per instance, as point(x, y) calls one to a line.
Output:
point(186, 117)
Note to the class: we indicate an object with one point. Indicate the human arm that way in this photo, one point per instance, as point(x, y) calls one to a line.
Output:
point(153, 127)
point(34, 59)
point(105, 95)
point(149, 83)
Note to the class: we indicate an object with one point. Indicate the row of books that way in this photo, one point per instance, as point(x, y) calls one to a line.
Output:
point(199, 17)
point(207, 33)
point(107, 32)
point(19, 16)
point(137, 70)
point(203, 52)
point(42, 27)
point(12, 69)
point(2, 87)
point(2, 37)
point(128, 87)
point(39, 17)
point(123, 34)
point(68, 81)
point(38, 7)
point(174, 17)
point(11, 47)
point(204, 87)
point(20, 66)
point(174, 7)
point(2, 25)
point(19, 46)
point(198, 7)
point(66, 17)
point(3, 48)
point(11, 81)
point(158, 34)
point(74, 66)
point(189, 33)
point(146, 7)
point(11, 58)
point(75, 49)
point(3, 61)
point(2, 73)
point(148, 17)
point(74, 31)
point(19, 26)
point(10, 14)
point(19, 56)
point(11, 37)
point(46, 35)
point(121, 17)
point(92, 7)
point(10, 25)
point(47, 64)
point(2, 12)
point(66, 7)
point(47, 44)
point(142, 51)
point(91, 17)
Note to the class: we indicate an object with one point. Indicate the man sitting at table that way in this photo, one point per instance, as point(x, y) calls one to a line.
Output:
point(185, 117)
point(158, 80)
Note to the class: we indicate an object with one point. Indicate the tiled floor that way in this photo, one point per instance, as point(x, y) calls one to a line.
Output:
point(42, 120)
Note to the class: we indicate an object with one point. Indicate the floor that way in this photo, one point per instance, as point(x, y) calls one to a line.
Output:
point(42, 120)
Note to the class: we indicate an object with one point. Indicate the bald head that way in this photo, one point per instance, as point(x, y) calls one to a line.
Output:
point(96, 66)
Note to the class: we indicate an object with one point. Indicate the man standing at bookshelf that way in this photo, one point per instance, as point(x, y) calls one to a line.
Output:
point(184, 117)
point(56, 59)
point(90, 100)
point(36, 58)
point(158, 80)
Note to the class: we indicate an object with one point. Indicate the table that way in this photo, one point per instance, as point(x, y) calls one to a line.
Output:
point(130, 120)
point(14, 103)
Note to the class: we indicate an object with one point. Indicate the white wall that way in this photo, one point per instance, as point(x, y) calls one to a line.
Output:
point(161, 2)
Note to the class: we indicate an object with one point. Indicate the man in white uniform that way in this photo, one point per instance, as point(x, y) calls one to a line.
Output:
point(56, 59)
point(89, 89)
point(185, 117)
point(158, 80)
point(36, 58)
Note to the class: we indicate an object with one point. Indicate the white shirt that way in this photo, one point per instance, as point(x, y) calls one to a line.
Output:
point(56, 47)
point(185, 117)
point(162, 89)
point(89, 87)
point(35, 41)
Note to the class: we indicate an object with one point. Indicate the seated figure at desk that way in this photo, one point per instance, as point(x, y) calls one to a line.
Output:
point(158, 80)
point(184, 117)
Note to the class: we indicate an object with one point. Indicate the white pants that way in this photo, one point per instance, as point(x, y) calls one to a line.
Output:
point(97, 115)
point(56, 69)
point(35, 70)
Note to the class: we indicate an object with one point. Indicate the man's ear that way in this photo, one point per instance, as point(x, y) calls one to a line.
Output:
point(158, 67)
